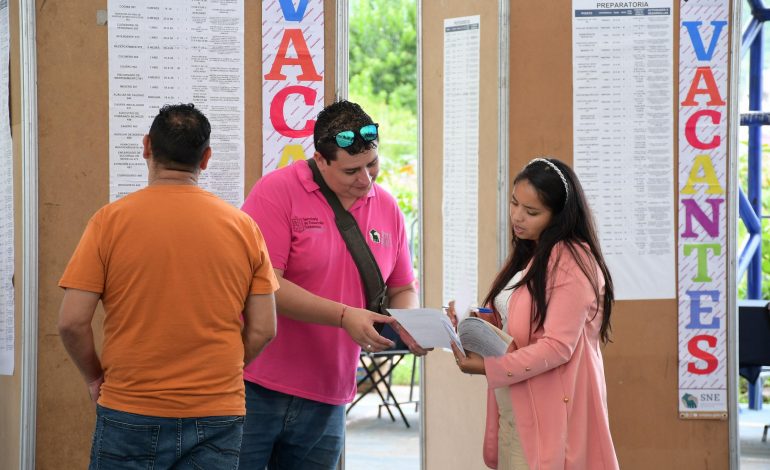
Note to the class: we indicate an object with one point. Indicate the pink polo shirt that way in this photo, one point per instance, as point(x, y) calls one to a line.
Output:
point(311, 361)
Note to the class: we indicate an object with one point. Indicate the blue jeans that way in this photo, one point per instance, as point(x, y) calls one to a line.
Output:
point(284, 432)
point(130, 441)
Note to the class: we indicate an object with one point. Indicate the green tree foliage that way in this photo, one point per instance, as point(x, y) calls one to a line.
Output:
point(383, 51)
point(742, 233)
point(383, 80)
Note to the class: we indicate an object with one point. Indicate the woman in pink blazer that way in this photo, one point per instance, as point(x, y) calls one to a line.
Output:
point(547, 405)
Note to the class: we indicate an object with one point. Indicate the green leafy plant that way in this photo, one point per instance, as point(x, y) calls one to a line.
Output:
point(383, 80)
point(743, 390)
point(743, 159)
point(402, 374)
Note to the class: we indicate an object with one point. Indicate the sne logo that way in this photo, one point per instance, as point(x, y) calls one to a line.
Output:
point(689, 401)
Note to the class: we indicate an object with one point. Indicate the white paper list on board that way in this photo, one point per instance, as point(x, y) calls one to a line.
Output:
point(176, 52)
point(7, 330)
point(461, 159)
point(622, 62)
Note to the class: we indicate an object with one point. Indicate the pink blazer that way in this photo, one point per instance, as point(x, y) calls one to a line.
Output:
point(555, 377)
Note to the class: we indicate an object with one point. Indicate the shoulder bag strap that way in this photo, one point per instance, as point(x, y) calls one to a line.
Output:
point(374, 286)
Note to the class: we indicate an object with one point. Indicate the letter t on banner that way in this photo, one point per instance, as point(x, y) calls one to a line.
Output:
point(292, 79)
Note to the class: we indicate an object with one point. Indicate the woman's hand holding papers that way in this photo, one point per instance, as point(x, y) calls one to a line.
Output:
point(452, 313)
point(480, 336)
point(485, 314)
point(470, 363)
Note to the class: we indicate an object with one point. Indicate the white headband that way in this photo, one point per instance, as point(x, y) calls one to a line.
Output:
point(558, 172)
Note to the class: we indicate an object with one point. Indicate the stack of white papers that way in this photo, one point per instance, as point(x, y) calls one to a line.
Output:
point(431, 328)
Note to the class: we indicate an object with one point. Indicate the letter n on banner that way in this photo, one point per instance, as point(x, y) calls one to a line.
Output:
point(702, 232)
point(292, 79)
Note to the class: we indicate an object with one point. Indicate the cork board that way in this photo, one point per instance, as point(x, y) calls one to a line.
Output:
point(641, 363)
point(74, 183)
point(455, 403)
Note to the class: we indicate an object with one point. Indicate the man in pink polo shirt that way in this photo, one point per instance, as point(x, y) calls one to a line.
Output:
point(297, 389)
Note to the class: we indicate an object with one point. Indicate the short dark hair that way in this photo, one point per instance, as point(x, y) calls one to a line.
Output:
point(341, 116)
point(179, 136)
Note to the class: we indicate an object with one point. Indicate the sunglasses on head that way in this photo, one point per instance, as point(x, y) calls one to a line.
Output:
point(368, 133)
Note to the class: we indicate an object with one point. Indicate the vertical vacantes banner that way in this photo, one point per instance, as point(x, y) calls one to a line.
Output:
point(702, 233)
point(292, 79)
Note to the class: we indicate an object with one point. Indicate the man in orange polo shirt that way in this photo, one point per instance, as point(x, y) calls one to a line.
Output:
point(187, 289)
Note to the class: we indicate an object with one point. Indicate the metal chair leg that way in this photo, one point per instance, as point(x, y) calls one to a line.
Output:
point(383, 371)
point(370, 377)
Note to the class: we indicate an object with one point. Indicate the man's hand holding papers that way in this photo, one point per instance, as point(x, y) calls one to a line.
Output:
point(429, 327)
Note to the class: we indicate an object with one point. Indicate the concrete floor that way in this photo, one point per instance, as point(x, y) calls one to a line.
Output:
point(373, 443)
point(755, 454)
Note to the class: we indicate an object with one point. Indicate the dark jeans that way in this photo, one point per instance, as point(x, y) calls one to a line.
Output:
point(284, 432)
point(130, 441)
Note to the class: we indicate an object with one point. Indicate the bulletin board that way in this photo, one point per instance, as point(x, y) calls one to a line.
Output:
point(641, 363)
point(74, 183)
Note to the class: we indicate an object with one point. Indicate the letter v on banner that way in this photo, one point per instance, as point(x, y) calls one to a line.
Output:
point(702, 233)
point(693, 29)
point(292, 79)
point(290, 12)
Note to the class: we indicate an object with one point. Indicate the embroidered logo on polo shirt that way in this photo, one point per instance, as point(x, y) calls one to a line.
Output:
point(300, 224)
point(380, 238)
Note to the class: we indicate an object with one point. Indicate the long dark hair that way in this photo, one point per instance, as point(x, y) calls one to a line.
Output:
point(571, 223)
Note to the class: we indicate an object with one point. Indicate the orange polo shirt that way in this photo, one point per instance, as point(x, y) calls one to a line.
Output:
point(174, 265)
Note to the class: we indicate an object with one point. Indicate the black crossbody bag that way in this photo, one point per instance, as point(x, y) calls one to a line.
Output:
point(374, 286)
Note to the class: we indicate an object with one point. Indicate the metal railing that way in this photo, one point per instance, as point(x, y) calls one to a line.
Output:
point(750, 206)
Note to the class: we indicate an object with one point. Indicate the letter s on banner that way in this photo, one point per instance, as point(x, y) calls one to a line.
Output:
point(694, 347)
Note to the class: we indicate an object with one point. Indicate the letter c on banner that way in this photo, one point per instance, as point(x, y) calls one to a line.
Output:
point(692, 124)
point(277, 117)
point(694, 348)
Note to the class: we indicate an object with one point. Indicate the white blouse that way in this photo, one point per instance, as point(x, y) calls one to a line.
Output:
point(502, 299)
